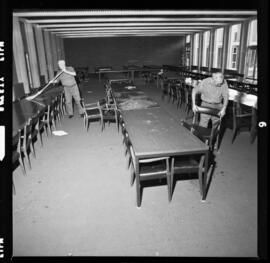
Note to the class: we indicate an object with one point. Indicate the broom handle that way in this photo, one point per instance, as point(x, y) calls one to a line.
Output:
point(38, 93)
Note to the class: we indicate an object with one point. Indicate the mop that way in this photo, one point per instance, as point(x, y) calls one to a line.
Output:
point(51, 81)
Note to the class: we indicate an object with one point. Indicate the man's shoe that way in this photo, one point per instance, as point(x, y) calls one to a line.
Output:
point(70, 116)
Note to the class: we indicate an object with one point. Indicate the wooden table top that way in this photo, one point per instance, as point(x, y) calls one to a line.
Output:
point(129, 97)
point(154, 132)
point(152, 67)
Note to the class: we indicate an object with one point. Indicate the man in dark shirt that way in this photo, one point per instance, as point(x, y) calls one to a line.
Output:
point(71, 89)
point(214, 94)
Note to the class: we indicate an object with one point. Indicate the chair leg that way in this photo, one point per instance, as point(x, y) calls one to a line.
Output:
point(102, 125)
point(53, 124)
point(13, 186)
point(28, 157)
point(22, 165)
point(169, 186)
point(132, 178)
point(40, 137)
point(234, 134)
point(49, 127)
point(201, 183)
point(201, 179)
point(33, 149)
point(46, 129)
point(84, 121)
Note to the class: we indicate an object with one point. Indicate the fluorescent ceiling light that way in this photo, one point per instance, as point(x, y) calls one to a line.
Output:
point(129, 24)
point(133, 12)
point(128, 19)
point(124, 35)
point(124, 28)
point(127, 31)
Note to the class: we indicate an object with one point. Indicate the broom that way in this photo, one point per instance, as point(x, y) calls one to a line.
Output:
point(38, 93)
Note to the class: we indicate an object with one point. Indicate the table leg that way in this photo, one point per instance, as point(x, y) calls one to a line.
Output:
point(138, 185)
point(99, 76)
point(253, 130)
point(205, 175)
point(132, 75)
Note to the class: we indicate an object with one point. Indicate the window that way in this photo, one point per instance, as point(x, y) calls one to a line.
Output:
point(206, 42)
point(251, 57)
point(252, 33)
point(233, 49)
point(187, 51)
point(196, 49)
point(218, 45)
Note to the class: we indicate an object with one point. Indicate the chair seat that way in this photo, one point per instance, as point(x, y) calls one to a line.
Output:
point(92, 111)
point(109, 114)
point(153, 168)
point(188, 162)
point(201, 131)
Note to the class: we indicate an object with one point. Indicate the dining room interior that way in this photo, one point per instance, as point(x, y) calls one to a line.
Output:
point(132, 171)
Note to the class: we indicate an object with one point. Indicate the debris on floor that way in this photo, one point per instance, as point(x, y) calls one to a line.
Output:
point(59, 133)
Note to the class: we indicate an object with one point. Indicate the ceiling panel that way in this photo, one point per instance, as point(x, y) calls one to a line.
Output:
point(93, 23)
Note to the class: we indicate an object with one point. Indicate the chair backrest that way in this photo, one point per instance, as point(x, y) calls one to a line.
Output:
point(48, 112)
point(132, 154)
point(26, 136)
point(15, 140)
point(34, 121)
point(215, 128)
point(186, 125)
point(93, 106)
point(102, 103)
point(27, 127)
point(208, 111)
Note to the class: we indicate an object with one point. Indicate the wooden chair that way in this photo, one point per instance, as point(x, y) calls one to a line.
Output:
point(26, 142)
point(109, 111)
point(181, 95)
point(242, 119)
point(16, 151)
point(48, 119)
point(63, 109)
point(55, 113)
point(165, 87)
point(174, 94)
point(188, 100)
point(92, 111)
point(152, 168)
point(17, 155)
point(34, 123)
point(109, 95)
point(210, 136)
point(41, 125)
point(58, 107)
point(193, 164)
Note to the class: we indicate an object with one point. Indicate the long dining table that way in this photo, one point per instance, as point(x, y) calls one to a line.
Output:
point(155, 133)
point(23, 110)
point(130, 97)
